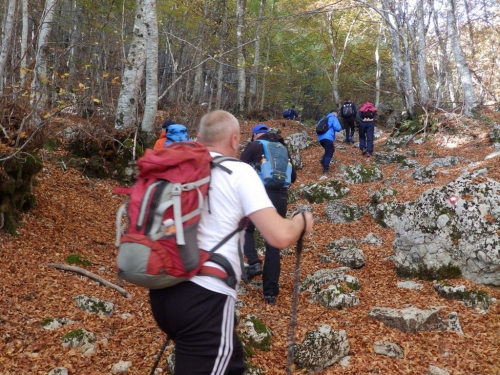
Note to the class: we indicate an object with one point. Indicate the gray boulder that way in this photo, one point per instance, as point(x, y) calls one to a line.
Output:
point(322, 192)
point(495, 134)
point(448, 161)
point(338, 212)
point(382, 157)
point(451, 231)
point(388, 349)
point(413, 320)
point(358, 174)
point(315, 282)
point(321, 348)
point(347, 252)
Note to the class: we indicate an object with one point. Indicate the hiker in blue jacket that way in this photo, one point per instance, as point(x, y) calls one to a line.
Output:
point(326, 140)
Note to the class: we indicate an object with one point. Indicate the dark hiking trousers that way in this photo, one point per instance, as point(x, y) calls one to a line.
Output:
point(327, 156)
point(201, 323)
point(272, 266)
point(349, 129)
point(366, 135)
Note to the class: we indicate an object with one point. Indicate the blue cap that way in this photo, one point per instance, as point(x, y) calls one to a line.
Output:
point(260, 128)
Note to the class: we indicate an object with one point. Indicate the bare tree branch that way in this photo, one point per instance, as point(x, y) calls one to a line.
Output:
point(90, 275)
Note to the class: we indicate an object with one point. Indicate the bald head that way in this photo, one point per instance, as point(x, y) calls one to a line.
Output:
point(219, 131)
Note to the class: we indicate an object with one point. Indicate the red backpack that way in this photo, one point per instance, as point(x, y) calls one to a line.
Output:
point(159, 247)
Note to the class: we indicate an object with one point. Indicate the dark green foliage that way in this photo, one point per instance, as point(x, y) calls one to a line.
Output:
point(425, 273)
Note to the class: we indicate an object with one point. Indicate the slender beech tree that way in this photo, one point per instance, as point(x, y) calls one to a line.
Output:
point(127, 107)
point(24, 42)
point(469, 96)
point(39, 84)
point(254, 77)
point(7, 31)
point(421, 55)
point(240, 25)
point(151, 105)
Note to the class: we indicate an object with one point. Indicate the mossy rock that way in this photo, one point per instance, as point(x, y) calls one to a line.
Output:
point(322, 192)
point(362, 173)
point(449, 271)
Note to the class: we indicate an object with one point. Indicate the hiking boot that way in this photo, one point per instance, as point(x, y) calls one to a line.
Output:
point(254, 270)
point(271, 300)
point(325, 171)
point(368, 155)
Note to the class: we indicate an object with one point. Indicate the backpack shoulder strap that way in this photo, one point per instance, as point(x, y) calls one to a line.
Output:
point(265, 146)
point(217, 160)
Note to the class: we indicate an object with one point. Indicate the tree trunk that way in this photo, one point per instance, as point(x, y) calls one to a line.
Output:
point(421, 55)
point(470, 100)
point(220, 70)
point(127, 107)
point(39, 91)
point(7, 31)
point(379, 66)
point(240, 22)
point(442, 64)
point(252, 91)
point(151, 105)
point(24, 42)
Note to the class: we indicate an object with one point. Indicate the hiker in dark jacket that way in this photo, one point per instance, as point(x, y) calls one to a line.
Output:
point(252, 154)
point(366, 115)
point(291, 113)
point(348, 120)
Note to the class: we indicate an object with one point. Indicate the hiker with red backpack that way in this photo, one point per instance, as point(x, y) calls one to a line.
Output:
point(254, 154)
point(199, 314)
point(366, 115)
point(348, 114)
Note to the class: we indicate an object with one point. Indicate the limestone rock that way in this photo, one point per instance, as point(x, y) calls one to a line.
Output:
point(321, 348)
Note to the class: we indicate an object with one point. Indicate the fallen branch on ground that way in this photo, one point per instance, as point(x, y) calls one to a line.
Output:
point(90, 275)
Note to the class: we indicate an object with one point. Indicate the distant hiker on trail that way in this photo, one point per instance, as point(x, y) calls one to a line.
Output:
point(326, 139)
point(199, 314)
point(366, 114)
point(253, 154)
point(160, 143)
point(348, 114)
point(176, 133)
point(291, 113)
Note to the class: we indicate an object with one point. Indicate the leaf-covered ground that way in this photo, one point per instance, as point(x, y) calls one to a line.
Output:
point(76, 215)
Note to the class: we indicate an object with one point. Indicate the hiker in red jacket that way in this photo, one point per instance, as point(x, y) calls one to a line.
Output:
point(366, 116)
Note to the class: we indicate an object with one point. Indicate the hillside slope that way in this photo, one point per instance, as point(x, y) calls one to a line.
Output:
point(76, 215)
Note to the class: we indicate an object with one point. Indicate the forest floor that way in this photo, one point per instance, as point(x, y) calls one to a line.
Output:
point(76, 215)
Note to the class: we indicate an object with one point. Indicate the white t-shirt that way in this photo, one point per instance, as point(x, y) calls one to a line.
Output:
point(231, 197)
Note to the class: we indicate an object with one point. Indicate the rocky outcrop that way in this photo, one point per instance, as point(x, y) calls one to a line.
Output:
point(413, 320)
point(451, 230)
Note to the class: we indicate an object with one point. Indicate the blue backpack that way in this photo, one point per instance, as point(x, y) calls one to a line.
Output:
point(275, 167)
point(287, 113)
point(176, 133)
